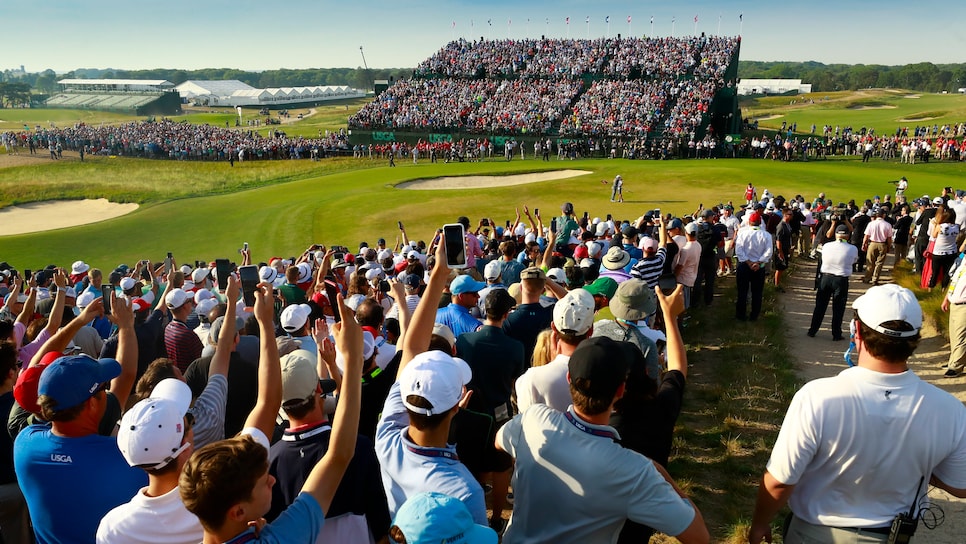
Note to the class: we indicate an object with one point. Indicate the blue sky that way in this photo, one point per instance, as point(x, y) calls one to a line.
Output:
point(67, 34)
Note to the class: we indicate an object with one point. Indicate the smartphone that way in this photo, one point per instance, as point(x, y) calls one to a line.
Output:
point(486, 222)
point(399, 223)
point(249, 282)
point(455, 239)
point(586, 215)
point(536, 211)
point(167, 263)
point(106, 292)
point(146, 273)
point(507, 223)
point(332, 292)
point(608, 217)
point(553, 225)
point(245, 246)
point(222, 271)
point(384, 286)
point(27, 274)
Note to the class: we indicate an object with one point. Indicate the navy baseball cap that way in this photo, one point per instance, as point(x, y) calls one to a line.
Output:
point(71, 380)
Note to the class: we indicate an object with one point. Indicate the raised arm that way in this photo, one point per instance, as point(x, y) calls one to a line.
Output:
point(269, 399)
point(421, 329)
point(548, 251)
point(28, 307)
point(324, 479)
point(14, 293)
point(399, 294)
point(57, 312)
point(127, 349)
point(60, 339)
point(673, 306)
point(226, 336)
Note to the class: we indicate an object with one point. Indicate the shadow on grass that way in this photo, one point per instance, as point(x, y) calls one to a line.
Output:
point(741, 379)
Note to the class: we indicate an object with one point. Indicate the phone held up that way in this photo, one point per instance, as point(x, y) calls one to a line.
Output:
point(455, 239)
point(249, 282)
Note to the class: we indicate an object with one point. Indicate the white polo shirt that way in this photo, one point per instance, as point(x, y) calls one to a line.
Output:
point(855, 446)
point(838, 257)
point(545, 384)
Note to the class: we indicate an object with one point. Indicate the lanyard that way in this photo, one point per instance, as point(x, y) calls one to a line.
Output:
point(589, 430)
point(426, 452)
point(372, 375)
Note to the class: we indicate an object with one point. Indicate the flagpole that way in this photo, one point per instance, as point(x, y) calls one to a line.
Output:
point(695, 25)
point(741, 22)
point(453, 32)
point(527, 36)
point(588, 27)
point(607, 35)
point(508, 23)
point(719, 24)
point(672, 27)
point(652, 26)
point(568, 27)
point(629, 33)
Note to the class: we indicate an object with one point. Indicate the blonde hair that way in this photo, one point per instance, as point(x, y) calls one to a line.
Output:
point(543, 350)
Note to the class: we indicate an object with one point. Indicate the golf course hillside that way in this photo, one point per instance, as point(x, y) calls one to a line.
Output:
point(198, 209)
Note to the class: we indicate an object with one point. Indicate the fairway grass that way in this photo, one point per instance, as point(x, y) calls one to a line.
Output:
point(881, 109)
point(200, 210)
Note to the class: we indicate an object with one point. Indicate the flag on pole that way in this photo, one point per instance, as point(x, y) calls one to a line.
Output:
point(607, 19)
point(568, 20)
point(740, 15)
point(695, 18)
point(628, 18)
point(454, 24)
point(652, 19)
point(489, 22)
point(588, 19)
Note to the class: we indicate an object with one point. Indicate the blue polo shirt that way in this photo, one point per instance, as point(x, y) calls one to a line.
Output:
point(408, 469)
point(458, 319)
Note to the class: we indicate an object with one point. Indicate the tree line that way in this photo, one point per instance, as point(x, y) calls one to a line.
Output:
point(923, 76)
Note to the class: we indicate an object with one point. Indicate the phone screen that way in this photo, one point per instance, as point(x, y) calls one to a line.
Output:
point(553, 225)
point(106, 292)
point(27, 274)
point(146, 273)
point(331, 292)
point(455, 239)
point(222, 271)
point(249, 282)
point(536, 211)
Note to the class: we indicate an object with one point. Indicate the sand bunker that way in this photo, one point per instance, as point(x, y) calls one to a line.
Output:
point(482, 182)
point(917, 119)
point(58, 214)
point(882, 107)
point(911, 96)
point(769, 117)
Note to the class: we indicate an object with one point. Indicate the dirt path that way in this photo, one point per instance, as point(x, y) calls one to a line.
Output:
point(821, 357)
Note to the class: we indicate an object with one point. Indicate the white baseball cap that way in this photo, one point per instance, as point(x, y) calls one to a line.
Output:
point(890, 302)
point(436, 377)
point(294, 316)
point(574, 313)
point(176, 298)
point(152, 431)
point(493, 270)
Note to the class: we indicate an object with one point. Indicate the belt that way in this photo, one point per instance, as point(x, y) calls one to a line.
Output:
point(873, 530)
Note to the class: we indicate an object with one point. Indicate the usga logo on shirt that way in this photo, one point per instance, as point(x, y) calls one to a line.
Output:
point(60, 458)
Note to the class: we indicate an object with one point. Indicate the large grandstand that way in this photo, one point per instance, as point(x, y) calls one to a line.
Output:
point(644, 90)
point(137, 96)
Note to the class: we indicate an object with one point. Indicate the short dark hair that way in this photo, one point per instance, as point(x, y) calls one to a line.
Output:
point(301, 408)
point(888, 348)
point(422, 422)
point(159, 369)
point(49, 411)
point(585, 404)
point(370, 313)
point(219, 476)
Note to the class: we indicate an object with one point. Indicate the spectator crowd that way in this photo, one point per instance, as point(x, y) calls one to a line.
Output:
point(353, 395)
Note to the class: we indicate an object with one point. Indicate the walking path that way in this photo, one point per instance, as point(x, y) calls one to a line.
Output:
point(820, 357)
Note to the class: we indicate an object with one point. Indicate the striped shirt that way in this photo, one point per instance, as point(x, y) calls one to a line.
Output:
point(182, 344)
point(649, 269)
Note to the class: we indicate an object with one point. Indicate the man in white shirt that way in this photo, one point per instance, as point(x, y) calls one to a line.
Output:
point(753, 247)
point(573, 322)
point(837, 260)
point(858, 450)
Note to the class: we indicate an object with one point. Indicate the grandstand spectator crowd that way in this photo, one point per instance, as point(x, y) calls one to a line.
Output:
point(167, 139)
point(526, 86)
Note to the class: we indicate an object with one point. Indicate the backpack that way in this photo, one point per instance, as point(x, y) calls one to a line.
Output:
point(706, 237)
